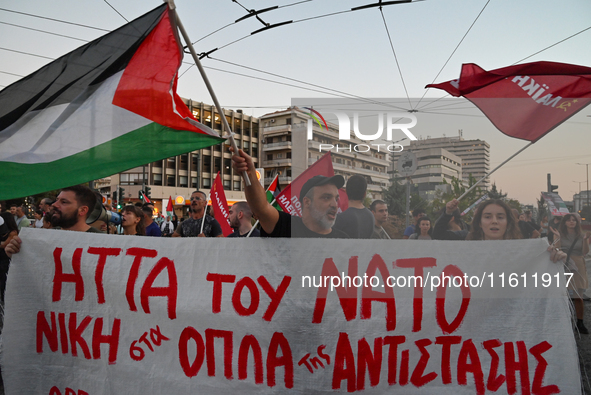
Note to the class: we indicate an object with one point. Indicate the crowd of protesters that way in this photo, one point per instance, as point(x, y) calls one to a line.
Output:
point(319, 198)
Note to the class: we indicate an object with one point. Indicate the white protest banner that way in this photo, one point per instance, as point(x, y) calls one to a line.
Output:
point(103, 314)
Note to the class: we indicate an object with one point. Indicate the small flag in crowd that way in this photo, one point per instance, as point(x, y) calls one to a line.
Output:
point(525, 101)
point(103, 108)
point(273, 191)
point(169, 207)
point(220, 205)
point(145, 198)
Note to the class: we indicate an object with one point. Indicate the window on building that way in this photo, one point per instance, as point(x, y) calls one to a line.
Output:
point(157, 164)
point(207, 117)
point(269, 140)
point(206, 183)
point(183, 182)
point(288, 172)
point(184, 162)
point(269, 156)
point(206, 164)
point(227, 165)
point(246, 145)
point(227, 185)
point(170, 181)
point(288, 155)
point(288, 121)
point(236, 185)
point(157, 179)
point(217, 164)
point(279, 155)
point(194, 162)
point(171, 163)
point(255, 150)
point(255, 130)
point(217, 121)
point(194, 182)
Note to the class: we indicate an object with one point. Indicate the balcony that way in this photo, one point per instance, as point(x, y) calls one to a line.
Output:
point(277, 128)
point(277, 146)
point(277, 162)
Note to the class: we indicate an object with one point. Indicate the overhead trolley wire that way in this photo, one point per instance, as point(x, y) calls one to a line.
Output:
point(44, 31)
point(55, 20)
point(308, 83)
point(550, 46)
point(454, 51)
point(115, 9)
point(395, 57)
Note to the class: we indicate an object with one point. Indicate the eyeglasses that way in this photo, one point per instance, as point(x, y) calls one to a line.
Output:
point(196, 198)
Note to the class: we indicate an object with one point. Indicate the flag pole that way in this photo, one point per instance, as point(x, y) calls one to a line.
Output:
point(172, 7)
point(205, 212)
point(495, 169)
point(257, 222)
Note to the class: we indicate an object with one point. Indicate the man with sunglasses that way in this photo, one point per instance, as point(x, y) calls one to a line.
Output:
point(192, 227)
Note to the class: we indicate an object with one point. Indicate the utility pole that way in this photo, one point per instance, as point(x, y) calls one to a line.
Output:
point(587, 192)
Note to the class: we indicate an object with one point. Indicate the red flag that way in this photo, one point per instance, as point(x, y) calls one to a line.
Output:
point(169, 207)
point(220, 205)
point(524, 101)
point(289, 200)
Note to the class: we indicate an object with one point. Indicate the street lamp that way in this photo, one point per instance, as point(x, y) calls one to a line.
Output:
point(587, 192)
point(579, 193)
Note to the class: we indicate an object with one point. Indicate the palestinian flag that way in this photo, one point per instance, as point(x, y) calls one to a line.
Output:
point(273, 191)
point(103, 108)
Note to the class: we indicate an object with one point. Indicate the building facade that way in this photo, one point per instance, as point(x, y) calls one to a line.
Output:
point(287, 151)
point(475, 154)
point(178, 176)
point(434, 167)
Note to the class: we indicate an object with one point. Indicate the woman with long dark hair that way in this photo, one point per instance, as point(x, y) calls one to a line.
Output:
point(576, 245)
point(493, 220)
point(132, 221)
point(423, 229)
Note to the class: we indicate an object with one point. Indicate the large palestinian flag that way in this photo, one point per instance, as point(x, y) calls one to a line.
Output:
point(105, 107)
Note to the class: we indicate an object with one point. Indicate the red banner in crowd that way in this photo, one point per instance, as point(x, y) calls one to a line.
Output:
point(289, 200)
point(525, 101)
point(220, 205)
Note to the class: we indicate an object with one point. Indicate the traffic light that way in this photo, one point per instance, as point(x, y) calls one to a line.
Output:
point(115, 196)
point(147, 191)
point(140, 194)
point(121, 194)
point(551, 188)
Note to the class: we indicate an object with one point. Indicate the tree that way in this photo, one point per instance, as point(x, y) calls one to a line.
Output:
point(494, 194)
point(395, 197)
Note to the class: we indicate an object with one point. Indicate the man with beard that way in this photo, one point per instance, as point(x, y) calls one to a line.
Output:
point(192, 227)
point(69, 212)
point(319, 198)
point(71, 208)
point(240, 217)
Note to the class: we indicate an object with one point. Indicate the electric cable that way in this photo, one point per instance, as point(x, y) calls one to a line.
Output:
point(395, 57)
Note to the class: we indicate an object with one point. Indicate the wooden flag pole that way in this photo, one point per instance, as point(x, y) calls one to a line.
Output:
point(495, 169)
point(207, 84)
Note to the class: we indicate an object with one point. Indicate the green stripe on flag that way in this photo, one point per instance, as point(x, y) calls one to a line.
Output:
point(144, 145)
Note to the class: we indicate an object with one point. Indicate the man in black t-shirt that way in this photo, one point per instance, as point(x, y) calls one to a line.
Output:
point(192, 227)
point(319, 197)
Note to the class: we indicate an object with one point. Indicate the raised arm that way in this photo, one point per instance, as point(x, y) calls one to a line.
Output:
point(255, 194)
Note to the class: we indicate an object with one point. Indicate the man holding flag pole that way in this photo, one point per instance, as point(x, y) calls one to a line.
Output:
point(319, 197)
point(200, 224)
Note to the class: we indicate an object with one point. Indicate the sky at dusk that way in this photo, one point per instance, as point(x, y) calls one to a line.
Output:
point(330, 51)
